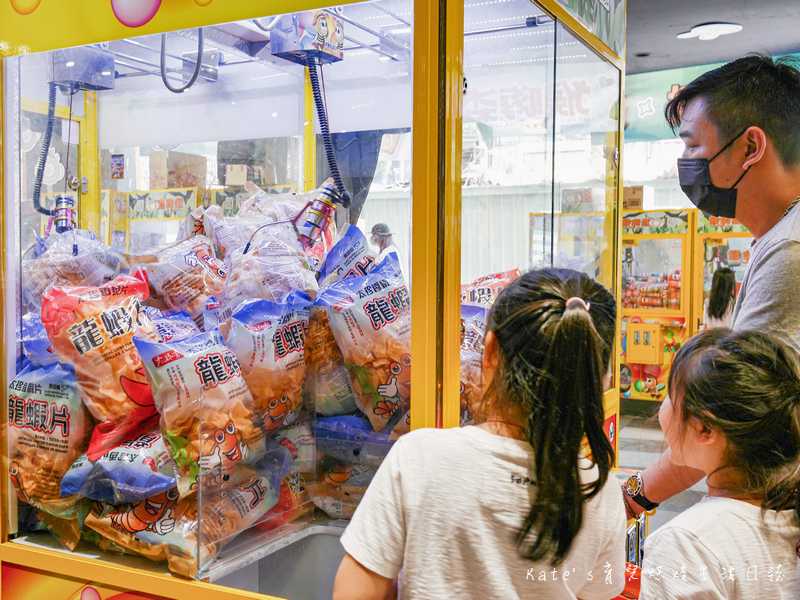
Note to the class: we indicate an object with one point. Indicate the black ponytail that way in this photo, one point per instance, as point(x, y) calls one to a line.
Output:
point(555, 330)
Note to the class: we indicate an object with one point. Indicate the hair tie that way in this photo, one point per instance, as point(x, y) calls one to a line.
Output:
point(586, 305)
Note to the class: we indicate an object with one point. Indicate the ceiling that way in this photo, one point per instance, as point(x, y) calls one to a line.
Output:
point(770, 26)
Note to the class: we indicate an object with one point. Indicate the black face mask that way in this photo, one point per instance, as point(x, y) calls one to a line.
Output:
point(694, 176)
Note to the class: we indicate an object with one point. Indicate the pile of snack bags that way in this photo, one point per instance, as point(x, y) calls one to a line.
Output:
point(654, 290)
point(167, 401)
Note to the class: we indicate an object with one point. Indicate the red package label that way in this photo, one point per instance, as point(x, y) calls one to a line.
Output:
point(166, 358)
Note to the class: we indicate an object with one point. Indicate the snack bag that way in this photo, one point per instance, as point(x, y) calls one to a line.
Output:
point(207, 415)
point(193, 224)
point(211, 313)
point(293, 502)
point(371, 320)
point(273, 266)
point(269, 339)
point(351, 439)
point(138, 468)
point(153, 313)
point(485, 290)
point(473, 325)
point(185, 274)
point(48, 428)
point(93, 328)
point(175, 326)
point(327, 381)
point(339, 487)
point(229, 234)
point(94, 265)
point(350, 257)
point(296, 444)
point(165, 527)
point(67, 530)
point(35, 344)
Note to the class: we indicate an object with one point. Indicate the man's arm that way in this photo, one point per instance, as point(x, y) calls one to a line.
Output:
point(664, 479)
point(355, 582)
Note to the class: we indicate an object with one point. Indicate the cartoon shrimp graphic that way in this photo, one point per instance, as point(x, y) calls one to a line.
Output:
point(137, 390)
point(200, 256)
point(151, 514)
point(277, 413)
point(16, 481)
point(399, 385)
point(229, 450)
point(339, 475)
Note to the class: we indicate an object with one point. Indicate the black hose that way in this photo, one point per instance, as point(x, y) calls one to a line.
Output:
point(326, 134)
point(48, 135)
point(197, 65)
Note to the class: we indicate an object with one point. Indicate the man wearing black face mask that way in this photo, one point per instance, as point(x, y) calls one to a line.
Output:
point(741, 127)
point(740, 124)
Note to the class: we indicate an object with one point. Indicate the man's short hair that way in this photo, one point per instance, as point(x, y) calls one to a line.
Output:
point(753, 90)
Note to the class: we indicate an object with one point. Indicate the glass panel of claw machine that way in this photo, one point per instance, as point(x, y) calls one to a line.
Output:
point(185, 375)
point(655, 305)
point(509, 57)
point(538, 104)
point(721, 242)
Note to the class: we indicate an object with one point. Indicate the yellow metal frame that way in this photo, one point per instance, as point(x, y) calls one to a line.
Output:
point(309, 137)
point(89, 209)
point(436, 210)
point(425, 377)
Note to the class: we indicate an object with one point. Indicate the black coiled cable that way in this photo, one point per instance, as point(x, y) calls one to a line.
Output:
point(48, 135)
point(326, 134)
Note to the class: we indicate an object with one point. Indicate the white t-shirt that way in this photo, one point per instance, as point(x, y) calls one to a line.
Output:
point(710, 322)
point(718, 537)
point(445, 506)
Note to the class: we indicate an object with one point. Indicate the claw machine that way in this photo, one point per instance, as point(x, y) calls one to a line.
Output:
point(186, 414)
point(656, 303)
point(720, 242)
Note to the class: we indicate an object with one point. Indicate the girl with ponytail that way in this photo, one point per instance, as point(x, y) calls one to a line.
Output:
point(511, 508)
point(734, 413)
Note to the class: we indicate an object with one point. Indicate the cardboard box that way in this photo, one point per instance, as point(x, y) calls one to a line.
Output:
point(638, 197)
point(176, 170)
point(579, 200)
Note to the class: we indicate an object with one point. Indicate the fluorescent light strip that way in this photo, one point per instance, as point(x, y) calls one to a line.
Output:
point(523, 61)
point(487, 3)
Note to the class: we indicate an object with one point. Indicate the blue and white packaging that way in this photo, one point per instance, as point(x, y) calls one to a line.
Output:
point(473, 326)
point(370, 317)
point(175, 326)
point(350, 257)
point(268, 339)
point(138, 468)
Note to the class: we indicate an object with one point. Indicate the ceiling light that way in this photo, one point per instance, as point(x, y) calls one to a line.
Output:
point(710, 31)
point(642, 54)
point(70, 63)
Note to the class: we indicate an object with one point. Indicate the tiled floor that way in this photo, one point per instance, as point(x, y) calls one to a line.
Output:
point(641, 442)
